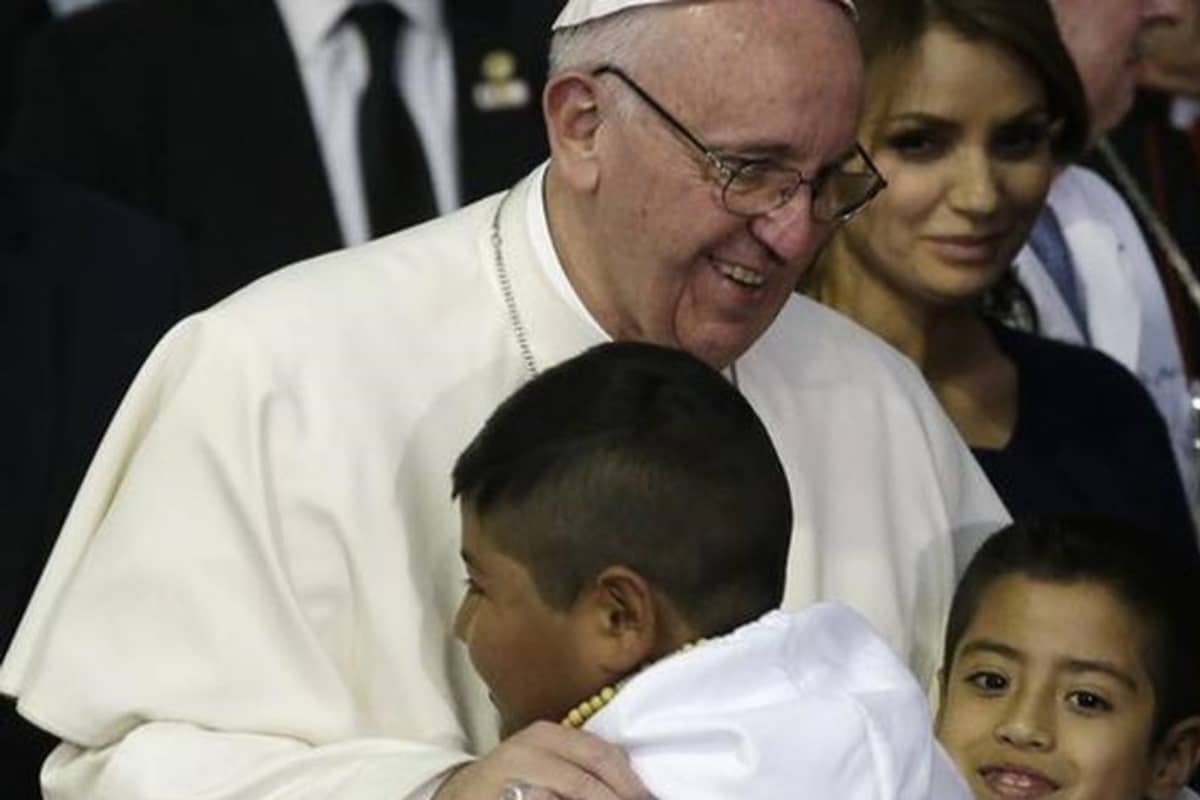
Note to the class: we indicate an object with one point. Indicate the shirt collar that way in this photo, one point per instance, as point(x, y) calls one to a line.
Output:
point(544, 252)
point(310, 22)
point(1185, 111)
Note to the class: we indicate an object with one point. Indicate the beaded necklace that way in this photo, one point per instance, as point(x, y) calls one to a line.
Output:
point(588, 708)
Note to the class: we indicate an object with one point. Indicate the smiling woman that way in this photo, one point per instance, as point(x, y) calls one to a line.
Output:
point(971, 105)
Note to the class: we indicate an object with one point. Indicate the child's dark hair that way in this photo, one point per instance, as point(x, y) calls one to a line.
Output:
point(637, 455)
point(1157, 582)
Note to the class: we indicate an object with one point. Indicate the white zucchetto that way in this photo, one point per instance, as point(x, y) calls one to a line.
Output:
point(577, 12)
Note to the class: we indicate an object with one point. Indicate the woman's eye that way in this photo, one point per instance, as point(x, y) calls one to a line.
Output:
point(1020, 141)
point(1088, 701)
point(917, 144)
point(988, 681)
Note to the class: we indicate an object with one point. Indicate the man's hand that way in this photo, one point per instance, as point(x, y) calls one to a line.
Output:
point(562, 762)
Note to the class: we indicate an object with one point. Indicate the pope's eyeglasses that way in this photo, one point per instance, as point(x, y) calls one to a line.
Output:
point(750, 187)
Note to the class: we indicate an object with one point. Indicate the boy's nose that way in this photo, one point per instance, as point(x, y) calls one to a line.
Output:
point(1026, 726)
point(1024, 736)
point(462, 620)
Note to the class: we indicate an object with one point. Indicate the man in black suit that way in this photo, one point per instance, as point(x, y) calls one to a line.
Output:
point(197, 112)
point(86, 287)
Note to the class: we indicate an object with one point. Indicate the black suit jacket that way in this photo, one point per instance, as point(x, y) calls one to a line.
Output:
point(194, 111)
point(19, 20)
point(86, 287)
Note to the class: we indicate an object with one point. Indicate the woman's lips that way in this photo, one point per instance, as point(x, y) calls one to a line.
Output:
point(967, 249)
point(1022, 783)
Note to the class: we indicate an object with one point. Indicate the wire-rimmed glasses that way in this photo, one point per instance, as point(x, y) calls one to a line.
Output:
point(750, 187)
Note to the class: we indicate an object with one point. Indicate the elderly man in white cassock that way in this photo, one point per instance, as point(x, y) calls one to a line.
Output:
point(253, 594)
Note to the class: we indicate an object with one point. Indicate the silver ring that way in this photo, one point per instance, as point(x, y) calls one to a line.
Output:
point(516, 791)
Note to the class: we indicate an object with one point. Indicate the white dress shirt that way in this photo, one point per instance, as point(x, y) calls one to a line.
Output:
point(1185, 111)
point(334, 70)
point(61, 8)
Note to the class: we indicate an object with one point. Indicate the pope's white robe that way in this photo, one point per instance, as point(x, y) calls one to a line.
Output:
point(810, 704)
point(252, 595)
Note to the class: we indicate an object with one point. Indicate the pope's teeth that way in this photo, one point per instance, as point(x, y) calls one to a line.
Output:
point(742, 275)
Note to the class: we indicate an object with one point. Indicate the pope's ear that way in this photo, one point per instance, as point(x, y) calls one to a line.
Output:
point(573, 115)
point(1175, 760)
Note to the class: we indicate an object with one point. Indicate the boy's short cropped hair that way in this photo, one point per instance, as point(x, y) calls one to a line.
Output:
point(1159, 584)
point(643, 456)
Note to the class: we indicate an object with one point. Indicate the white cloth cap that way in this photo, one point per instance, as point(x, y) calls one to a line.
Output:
point(577, 12)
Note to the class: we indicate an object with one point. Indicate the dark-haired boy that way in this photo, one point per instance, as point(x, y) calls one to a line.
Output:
point(625, 506)
point(1072, 665)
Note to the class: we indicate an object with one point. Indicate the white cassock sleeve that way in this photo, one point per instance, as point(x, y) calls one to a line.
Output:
point(216, 613)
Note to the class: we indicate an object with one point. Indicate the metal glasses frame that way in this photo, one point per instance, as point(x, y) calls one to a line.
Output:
point(753, 171)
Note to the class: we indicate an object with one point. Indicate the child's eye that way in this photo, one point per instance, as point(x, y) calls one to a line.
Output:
point(987, 681)
point(1088, 701)
point(472, 587)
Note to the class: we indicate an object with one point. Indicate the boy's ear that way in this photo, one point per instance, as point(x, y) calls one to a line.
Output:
point(1175, 760)
point(622, 620)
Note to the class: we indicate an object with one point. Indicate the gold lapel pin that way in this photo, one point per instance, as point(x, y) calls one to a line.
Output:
point(501, 88)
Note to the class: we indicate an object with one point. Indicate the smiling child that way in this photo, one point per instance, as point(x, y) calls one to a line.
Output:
point(1072, 665)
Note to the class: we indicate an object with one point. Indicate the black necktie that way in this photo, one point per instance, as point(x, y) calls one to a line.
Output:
point(395, 177)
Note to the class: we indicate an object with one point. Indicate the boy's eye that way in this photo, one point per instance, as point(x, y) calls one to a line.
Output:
point(472, 586)
point(1088, 701)
point(987, 681)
